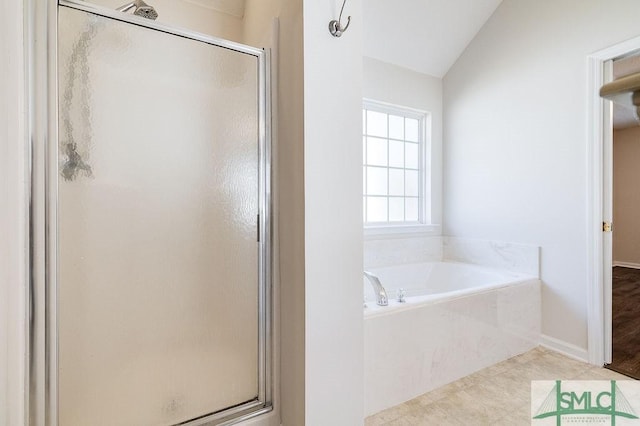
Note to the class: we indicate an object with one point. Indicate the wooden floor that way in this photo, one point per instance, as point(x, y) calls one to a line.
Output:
point(626, 322)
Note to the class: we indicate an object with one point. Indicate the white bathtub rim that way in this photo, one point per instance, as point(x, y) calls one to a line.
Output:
point(487, 268)
point(372, 310)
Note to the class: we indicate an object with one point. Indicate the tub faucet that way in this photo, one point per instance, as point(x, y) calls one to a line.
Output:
point(381, 294)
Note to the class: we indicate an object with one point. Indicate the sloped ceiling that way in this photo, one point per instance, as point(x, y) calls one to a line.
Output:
point(423, 35)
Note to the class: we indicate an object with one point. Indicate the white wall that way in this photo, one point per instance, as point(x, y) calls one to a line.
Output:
point(13, 248)
point(626, 196)
point(515, 156)
point(333, 216)
point(257, 23)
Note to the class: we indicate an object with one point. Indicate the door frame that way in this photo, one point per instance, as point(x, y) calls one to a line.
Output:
point(600, 199)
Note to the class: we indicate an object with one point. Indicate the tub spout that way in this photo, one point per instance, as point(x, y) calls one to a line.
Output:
point(381, 294)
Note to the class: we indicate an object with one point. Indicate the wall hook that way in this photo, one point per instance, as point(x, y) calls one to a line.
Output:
point(335, 27)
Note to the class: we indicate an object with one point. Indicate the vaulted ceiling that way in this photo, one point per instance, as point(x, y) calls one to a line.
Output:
point(423, 35)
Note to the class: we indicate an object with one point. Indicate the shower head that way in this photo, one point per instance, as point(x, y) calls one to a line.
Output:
point(141, 9)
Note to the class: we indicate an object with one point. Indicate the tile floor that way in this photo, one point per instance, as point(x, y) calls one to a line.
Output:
point(498, 395)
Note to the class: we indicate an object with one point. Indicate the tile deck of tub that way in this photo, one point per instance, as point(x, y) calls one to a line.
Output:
point(497, 395)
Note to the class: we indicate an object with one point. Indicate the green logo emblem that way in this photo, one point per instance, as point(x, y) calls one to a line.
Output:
point(610, 403)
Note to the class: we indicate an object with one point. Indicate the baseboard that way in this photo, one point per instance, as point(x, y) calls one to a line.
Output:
point(568, 349)
point(627, 264)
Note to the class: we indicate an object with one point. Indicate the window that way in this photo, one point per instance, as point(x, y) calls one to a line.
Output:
point(394, 163)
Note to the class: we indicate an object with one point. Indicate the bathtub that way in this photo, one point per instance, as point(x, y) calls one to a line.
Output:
point(457, 319)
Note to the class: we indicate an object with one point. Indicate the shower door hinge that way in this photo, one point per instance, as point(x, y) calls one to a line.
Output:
point(607, 227)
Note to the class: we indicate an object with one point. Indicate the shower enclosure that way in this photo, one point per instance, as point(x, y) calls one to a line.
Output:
point(154, 306)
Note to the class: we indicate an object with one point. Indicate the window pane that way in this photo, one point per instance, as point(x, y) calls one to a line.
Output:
point(393, 167)
point(411, 129)
point(412, 156)
point(396, 127)
point(364, 180)
point(364, 121)
point(364, 150)
point(411, 183)
point(376, 152)
point(396, 154)
point(376, 209)
point(396, 209)
point(396, 182)
point(376, 181)
point(411, 212)
point(364, 209)
point(376, 124)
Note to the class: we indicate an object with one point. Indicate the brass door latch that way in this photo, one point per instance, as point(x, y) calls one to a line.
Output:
point(607, 227)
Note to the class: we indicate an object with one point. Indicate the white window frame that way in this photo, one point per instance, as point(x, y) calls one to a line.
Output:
point(424, 224)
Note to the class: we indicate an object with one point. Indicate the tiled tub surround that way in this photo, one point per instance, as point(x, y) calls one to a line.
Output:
point(502, 255)
point(398, 250)
point(432, 340)
point(393, 250)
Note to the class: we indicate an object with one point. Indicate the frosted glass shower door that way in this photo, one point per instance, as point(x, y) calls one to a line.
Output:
point(158, 197)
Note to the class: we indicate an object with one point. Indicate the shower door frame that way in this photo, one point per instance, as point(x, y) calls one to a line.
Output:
point(41, 42)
